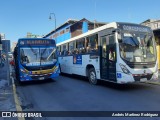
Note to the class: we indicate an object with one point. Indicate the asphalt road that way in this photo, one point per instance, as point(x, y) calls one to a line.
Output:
point(67, 93)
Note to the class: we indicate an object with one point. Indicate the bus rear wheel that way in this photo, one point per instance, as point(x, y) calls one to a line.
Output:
point(92, 76)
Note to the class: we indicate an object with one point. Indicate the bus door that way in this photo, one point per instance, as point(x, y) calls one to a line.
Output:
point(108, 57)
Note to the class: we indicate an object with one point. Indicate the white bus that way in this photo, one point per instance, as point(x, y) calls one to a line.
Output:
point(116, 52)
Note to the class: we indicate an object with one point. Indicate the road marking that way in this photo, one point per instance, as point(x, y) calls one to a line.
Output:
point(18, 107)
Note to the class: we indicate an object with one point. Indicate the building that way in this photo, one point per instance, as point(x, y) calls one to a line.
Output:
point(155, 26)
point(30, 35)
point(6, 46)
point(2, 36)
point(13, 45)
point(72, 28)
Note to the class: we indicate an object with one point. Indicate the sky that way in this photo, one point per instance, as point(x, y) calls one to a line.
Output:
point(17, 17)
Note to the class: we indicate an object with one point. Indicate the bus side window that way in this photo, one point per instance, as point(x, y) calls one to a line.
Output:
point(59, 50)
point(71, 48)
point(64, 50)
point(88, 45)
point(76, 51)
point(67, 52)
point(83, 50)
point(80, 46)
point(92, 44)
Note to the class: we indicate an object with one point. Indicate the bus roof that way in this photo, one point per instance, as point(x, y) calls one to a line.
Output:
point(113, 25)
point(34, 39)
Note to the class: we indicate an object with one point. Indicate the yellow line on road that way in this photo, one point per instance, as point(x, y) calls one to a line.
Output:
point(18, 107)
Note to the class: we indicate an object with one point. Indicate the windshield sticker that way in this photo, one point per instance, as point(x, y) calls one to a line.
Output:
point(138, 59)
point(128, 35)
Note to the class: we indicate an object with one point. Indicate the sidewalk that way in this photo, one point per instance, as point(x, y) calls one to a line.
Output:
point(6, 90)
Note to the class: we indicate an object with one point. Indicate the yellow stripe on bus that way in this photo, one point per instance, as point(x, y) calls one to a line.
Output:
point(44, 71)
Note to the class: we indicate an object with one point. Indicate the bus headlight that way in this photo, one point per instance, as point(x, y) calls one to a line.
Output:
point(56, 68)
point(124, 69)
point(24, 71)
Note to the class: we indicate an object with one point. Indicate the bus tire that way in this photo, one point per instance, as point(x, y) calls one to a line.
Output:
point(92, 76)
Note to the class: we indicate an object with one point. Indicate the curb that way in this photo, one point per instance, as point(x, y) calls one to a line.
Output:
point(17, 103)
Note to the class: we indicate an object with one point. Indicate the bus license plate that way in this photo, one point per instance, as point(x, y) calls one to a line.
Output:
point(143, 79)
point(41, 78)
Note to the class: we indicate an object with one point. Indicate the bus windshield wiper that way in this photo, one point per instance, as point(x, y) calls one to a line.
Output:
point(34, 52)
point(51, 53)
point(44, 50)
point(41, 53)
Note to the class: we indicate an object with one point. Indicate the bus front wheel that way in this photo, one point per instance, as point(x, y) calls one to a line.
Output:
point(92, 76)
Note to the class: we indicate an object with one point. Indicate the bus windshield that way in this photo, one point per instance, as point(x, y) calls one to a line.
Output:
point(137, 47)
point(36, 56)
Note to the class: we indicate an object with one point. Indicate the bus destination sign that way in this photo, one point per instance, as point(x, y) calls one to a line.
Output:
point(134, 28)
point(36, 42)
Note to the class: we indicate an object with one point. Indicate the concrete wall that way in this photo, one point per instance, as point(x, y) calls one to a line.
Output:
point(6, 46)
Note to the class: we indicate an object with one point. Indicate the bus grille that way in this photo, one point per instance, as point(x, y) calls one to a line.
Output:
point(137, 77)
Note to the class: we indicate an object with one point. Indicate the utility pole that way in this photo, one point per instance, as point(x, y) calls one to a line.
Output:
point(50, 17)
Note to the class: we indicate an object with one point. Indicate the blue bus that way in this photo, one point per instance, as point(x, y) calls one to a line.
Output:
point(35, 59)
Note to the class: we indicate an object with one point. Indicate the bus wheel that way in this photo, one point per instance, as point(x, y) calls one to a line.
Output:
point(92, 76)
